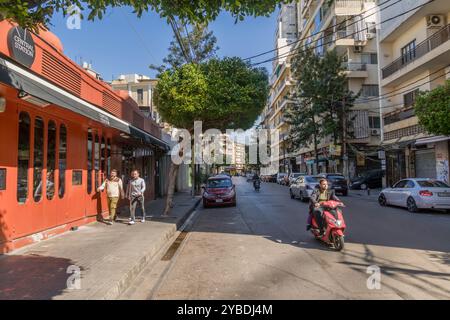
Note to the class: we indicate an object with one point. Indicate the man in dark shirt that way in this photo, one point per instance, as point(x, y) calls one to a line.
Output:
point(318, 196)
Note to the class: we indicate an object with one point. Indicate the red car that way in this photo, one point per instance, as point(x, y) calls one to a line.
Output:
point(219, 191)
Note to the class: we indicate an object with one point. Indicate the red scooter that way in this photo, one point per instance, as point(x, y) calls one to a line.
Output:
point(334, 222)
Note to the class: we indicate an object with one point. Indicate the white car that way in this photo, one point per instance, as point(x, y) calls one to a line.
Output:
point(303, 187)
point(280, 177)
point(294, 175)
point(416, 193)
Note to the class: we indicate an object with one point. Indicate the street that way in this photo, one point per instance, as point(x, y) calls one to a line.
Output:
point(261, 250)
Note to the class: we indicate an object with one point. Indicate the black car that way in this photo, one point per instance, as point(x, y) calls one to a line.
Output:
point(371, 179)
point(337, 182)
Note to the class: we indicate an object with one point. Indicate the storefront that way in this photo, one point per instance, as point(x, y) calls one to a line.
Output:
point(61, 133)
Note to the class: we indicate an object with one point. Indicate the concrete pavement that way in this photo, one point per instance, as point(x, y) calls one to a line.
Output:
point(108, 258)
point(260, 250)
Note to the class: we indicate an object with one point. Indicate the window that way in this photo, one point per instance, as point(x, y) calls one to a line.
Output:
point(89, 163)
point(2, 179)
point(38, 158)
point(51, 159)
point(62, 160)
point(408, 52)
point(409, 184)
point(140, 96)
point(374, 122)
point(77, 177)
point(23, 157)
point(400, 184)
point(410, 98)
point(108, 157)
point(369, 58)
point(96, 161)
point(369, 90)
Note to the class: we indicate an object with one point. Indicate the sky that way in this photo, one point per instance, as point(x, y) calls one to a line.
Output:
point(121, 43)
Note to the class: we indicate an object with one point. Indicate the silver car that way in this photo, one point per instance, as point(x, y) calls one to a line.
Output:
point(303, 187)
point(294, 175)
point(416, 194)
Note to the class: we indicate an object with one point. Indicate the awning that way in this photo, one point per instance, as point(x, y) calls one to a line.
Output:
point(432, 140)
point(22, 79)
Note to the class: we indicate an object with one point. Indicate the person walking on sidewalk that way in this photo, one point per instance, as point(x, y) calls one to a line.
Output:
point(114, 191)
point(135, 193)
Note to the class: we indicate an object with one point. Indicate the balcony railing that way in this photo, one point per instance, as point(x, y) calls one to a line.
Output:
point(419, 51)
point(354, 66)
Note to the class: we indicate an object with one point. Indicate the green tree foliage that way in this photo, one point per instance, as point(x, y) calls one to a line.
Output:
point(200, 43)
point(222, 93)
point(30, 13)
point(433, 110)
point(320, 99)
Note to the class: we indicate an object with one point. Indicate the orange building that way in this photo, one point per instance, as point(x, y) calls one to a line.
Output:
point(61, 132)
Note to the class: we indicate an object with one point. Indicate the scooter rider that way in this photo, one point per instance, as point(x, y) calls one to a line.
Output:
point(255, 178)
point(318, 196)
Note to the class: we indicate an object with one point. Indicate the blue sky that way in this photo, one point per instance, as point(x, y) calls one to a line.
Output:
point(121, 43)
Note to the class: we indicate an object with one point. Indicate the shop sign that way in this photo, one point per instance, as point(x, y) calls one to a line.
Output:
point(360, 159)
point(21, 46)
point(104, 119)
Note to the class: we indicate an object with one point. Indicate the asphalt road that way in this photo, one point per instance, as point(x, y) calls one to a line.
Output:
point(261, 250)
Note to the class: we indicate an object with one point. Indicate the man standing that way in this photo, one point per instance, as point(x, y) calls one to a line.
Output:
point(114, 190)
point(135, 193)
point(318, 196)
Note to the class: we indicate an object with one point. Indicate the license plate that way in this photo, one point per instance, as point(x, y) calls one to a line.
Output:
point(219, 200)
point(444, 194)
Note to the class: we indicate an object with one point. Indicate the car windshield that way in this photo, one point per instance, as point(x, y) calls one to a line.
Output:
point(312, 179)
point(336, 177)
point(432, 184)
point(219, 183)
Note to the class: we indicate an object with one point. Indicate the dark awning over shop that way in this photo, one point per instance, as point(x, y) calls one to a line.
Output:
point(21, 79)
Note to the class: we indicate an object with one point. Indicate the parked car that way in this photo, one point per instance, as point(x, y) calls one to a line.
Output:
point(294, 175)
point(337, 182)
point(280, 177)
point(416, 194)
point(303, 187)
point(371, 179)
point(218, 191)
point(273, 178)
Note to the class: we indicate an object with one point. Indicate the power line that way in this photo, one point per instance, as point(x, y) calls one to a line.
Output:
point(327, 29)
point(296, 51)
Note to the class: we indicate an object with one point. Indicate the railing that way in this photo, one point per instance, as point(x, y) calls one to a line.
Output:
point(419, 51)
point(354, 66)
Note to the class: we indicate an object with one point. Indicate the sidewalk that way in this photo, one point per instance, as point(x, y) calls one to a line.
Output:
point(109, 257)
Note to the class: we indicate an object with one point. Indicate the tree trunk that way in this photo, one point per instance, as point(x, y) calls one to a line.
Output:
point(171, 187)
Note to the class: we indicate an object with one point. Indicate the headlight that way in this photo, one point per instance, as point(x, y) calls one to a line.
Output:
point(338, 223)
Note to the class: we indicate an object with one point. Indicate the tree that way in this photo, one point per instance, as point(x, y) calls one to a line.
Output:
point(222, 93)
point(31, 13)
point(433, 110)
point(200, 43)
point(321, 100)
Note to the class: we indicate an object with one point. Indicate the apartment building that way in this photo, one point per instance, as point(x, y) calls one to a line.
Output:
point(415, 55)
point(140, 88)
point(349, 27)
point(281, 81)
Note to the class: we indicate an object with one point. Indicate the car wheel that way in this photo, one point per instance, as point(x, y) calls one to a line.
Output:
point(363, 186)
point(382, 200)
point(411, 205)
point(345, 193)
point(292, 195)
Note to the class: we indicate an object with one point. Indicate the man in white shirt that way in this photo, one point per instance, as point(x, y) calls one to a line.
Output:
point(135, 193)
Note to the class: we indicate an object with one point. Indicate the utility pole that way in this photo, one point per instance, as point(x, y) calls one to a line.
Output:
point(344, 141)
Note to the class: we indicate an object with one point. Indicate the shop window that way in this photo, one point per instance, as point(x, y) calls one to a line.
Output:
point(51, 159)
point(62, 160)
point(89, 163)
point(23, 157)
point(108, 157)
point(2, 179)
point(77, 177)
point(96, 161)
point(103, 156)
point(38, 158)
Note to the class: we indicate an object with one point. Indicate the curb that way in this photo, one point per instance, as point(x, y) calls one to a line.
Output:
point(122, 284)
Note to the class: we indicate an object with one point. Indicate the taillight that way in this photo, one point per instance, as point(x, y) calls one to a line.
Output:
point(426, 193)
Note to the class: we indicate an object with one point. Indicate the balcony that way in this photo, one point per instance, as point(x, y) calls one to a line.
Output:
point(349, 7)
point(355, 70)
point(433, 42)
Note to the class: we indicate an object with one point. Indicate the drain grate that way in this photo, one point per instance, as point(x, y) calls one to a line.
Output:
point(174, 247)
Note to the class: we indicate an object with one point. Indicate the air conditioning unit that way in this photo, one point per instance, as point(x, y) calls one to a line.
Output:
point(375, 132)
point(357, 49)
point(370, 36)
point(435, 21)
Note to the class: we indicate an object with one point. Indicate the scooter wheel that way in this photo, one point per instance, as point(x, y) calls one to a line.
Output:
point(338, 242)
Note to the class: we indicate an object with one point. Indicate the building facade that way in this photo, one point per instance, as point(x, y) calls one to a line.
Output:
point(62, 130)
point(414, 56)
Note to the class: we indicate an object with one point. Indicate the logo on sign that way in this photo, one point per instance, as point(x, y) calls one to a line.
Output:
point(21, 46)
